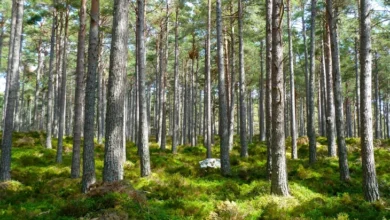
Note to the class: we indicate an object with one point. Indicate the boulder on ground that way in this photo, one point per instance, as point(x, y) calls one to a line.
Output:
point(210, 162)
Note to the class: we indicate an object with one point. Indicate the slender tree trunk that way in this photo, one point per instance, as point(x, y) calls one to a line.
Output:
point(243, 131)
point(357, 86)
point(101, 85)
point(268, 89)
point(223, 117)
point(330, 113)
point(90, 91)
point(78, 107)
point(13, 77)
point(294, 151)
point(377, 100)
point(50, 92)
point(143, 127)
point(261, 95)
point(176, 87)
point(232, 79)
point(113, 158)
point(62, 98)
point(311, 132)
point(279, 185)
point(306, 59)
point(208, 83)
point(370, 184)
point(341, 148)
point(36, 95)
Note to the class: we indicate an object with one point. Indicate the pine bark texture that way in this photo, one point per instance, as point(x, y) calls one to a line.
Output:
point(143, 125)
point(90, 99)
point(77, 121)
point(279, 170)
point(223, 117)
point(13, 77)
point(113, 162)
point(370, 184)
point(268, 87)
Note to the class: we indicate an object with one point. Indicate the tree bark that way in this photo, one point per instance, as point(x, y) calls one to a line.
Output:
point(261, 95)
point(75, 169)
point(311, 132)
point(341, 148)
point(268, 89)
point(143, 126)
point(223, 117)
point(294, 151)
point(176, 87)
point(243, 116)
point(90, 91)
point(370, 184)
point(13, 77)
point(279, 170)
point(62, 95)
point(208, 83)
point(113, 158)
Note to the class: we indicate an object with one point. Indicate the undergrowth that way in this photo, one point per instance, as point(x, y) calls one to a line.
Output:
point(179, 189)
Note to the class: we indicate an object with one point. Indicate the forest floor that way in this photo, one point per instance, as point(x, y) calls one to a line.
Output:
point(179, 189)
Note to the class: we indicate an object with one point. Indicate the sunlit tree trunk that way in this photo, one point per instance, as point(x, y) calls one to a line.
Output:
point(279, 180)
point(113, 158)
point(13, 77)
point(75, 169)
point(268, 87)
point(370, 184)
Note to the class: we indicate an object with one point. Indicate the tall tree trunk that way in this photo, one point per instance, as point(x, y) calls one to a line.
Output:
point(377, 100)
point(113, 158)
point(268, 87)
point(223, 117)
point(261, 95)
point(311, 132)
point(341, 148)
point(306, 58)
point(330, 111)
point(90, 91)
point(143, 127)
point(294, 151)
point(36, 94)
point(370, 184)
point(279, 180)
point(176, 87)
point(232, 78)
point(208, 83)
point(101, 85)
point(50, 92)
point(357, 86)
point(243, 131)
point(62, 95)
point(13, 77)
point(78, 105)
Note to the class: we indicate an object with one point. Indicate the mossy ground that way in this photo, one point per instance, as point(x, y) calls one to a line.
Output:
point(179, 189)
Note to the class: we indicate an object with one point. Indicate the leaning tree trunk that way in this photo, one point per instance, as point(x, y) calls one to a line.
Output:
point(311, 132)
point(279, 169)
point(243, 128)
point(143, 126)
point(268, 87)
point(90, 91)
point(113, 158)
point(62, 98)
point(341, 148)
point(223, 117)
point(13, 76)
point(370, 184)
point(78, 105)
point(294, 151)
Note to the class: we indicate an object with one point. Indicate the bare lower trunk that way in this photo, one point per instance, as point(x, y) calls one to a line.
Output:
point(89, 176)
point(370, 184)
point(75, 169)
point(279, 185)
point(223, 117)
point(113, 158)
point(268, 89)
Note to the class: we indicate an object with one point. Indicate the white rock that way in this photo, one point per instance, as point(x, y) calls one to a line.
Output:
point(210, 162)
